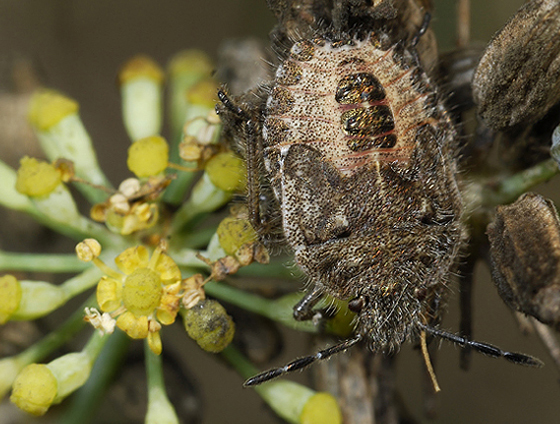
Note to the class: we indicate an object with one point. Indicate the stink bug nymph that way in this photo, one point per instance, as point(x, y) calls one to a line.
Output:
point(360, 155)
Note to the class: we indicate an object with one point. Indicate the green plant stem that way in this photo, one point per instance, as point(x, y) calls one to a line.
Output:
point(160, 409)
point(32, 262)
point(274, 269)
point(510, 188)
point(95, 344)
point(58, 337)
point(82, 282)
point(88, 397)
point(240, 363)
point(279, 310)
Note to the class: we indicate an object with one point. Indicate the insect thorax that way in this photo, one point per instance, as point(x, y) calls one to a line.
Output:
point(360, 154)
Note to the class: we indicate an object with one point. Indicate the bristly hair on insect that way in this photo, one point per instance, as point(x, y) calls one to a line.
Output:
point(356, 155)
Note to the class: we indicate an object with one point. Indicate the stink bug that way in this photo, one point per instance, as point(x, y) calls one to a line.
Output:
point(352, 159)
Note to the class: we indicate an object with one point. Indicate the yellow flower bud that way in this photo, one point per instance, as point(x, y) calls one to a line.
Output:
point(342, 323)
point(10, 297)
point(88, 250)
point(35, 389)
point(140, 67)
point(227, 172)
point(148, 156)
point(48, 108)
point(321, 408)
point(36, 178)
point(234, 233)
point(191, 62)
point(203, 93)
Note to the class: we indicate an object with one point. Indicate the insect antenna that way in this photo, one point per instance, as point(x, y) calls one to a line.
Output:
point(229, 104)
point(301, 363)
point(485, 348)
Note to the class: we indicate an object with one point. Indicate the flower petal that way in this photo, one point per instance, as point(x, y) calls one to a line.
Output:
point(133, 258)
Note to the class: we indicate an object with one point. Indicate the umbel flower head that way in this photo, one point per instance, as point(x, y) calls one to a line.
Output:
point(143, 296)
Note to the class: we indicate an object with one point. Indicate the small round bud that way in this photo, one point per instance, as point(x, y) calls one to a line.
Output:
point(140, 67)
point(321, 408)
point(88, 250)
point(130, 187)
point(34, 389)
point(48, 108)
point(10, 297)
point(191, 62)
point(209, 325)
point(227, 172)
point(36, 178)
point(234, 233)
point(148, 156)
point(203, 93)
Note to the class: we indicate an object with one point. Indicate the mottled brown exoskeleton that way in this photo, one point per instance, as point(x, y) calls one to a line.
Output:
point(354, 143)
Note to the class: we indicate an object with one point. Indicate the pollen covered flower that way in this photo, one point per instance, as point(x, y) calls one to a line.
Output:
point(144, 295)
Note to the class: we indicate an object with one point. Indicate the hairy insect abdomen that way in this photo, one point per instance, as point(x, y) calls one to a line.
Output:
point(355, 102)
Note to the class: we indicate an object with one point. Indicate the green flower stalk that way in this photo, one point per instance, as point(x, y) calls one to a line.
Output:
point(141, 85)
point(9, 196)
point(224, 174)
point(39, 386)
point(160, 409)
point(52, 200)
point(61, 133)
point(190, 104)
point(28, 300)
point(10, 367)
point(185, 70)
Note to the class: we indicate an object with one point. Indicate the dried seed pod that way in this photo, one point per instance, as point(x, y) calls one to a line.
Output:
point(525, 256)
point(518, 78)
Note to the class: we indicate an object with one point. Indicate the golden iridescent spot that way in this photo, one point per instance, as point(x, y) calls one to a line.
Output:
point(289, 73)
point(361, 144)
point(359, 88)
point(303, 51)
point(372, 121)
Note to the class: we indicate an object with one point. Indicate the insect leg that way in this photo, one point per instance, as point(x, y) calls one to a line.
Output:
point(254, 163)
point(304, 308)
point(485, 348)
point(422, 30)
point(301, 363)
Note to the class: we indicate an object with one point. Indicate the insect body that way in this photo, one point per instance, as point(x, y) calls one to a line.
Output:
point(360, 155)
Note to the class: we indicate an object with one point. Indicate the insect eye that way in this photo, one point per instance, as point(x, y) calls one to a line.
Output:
point(357, 304)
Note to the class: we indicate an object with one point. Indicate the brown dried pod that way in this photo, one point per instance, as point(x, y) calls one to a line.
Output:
point(525, 257)
point(518, 79)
